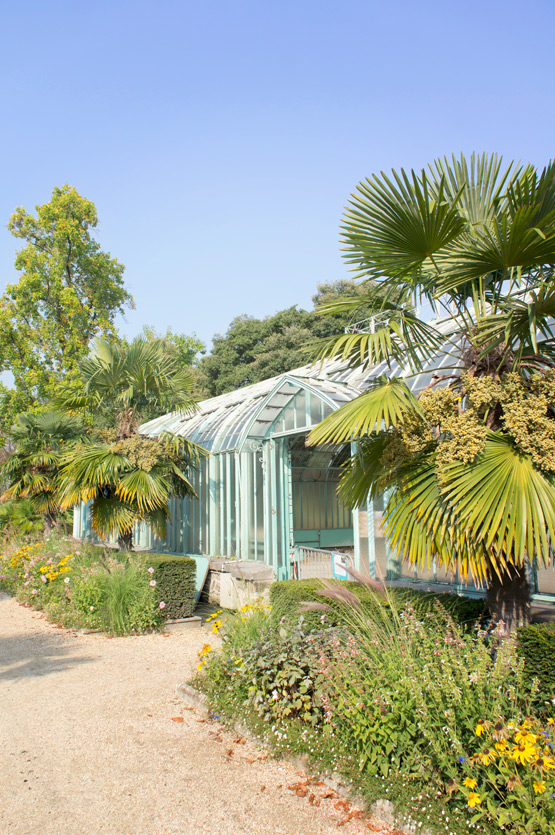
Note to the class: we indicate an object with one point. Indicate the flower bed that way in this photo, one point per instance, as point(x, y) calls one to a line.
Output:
point(83, 586)
point(409, 706)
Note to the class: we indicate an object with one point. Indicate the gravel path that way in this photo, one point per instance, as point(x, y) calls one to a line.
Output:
point(90, 745)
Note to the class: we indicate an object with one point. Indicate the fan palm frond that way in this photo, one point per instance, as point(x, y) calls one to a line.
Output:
point(383, 406)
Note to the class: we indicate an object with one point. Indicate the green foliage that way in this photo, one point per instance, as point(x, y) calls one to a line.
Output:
point(69, 292)
point(184, 347)
point(123, 384)
point(129, 480)
point(255, 349)
point(407, 691)
point(127, 601)
point(31, 472)
point(283, 676)
point(273, 671)
point(510, 781)
point(175, 578)
point(129, 477)
point(20, 517)
point(536, 645)
point(287, 597)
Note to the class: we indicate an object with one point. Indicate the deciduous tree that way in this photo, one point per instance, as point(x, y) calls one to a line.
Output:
point(69, 292)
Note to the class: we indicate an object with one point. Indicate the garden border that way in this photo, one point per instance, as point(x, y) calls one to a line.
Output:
point(383, 808)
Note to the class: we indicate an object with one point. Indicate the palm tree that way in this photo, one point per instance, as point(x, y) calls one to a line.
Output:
point(469, 463)
point(31, 471)
point(129, 480)
point(129, 383)
point(128, 477)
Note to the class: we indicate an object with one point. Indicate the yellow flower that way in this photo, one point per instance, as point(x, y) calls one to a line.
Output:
point(473, 799)
point(479, 729)
point(524, 736)
point(469, 783)
point(546, 762)
point(523, 753)
point(486, 757)
point(501, 746)
point(551, 721)
point(539, 787)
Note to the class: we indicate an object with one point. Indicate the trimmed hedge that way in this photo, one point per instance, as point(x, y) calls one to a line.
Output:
point(175, 583)
point(287, 595)
point(536, 644)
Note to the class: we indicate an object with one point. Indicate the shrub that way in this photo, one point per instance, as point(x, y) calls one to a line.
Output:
point(286, 597)
point(283, 676)
point(175, 578)
point(406, 692)
point(536, 645)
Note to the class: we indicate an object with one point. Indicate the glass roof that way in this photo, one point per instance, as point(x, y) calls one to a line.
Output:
point(276, 406)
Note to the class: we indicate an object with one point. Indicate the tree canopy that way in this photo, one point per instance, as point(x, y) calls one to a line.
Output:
point(469, 468)
point(255, 349)
point(69, 292)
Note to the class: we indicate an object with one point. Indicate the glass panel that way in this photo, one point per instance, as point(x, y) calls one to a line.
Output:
point(251, 510)
point(315, 409)
point(289, 418)
point(546, 580)
point(300, 408)
point(232, 508)
point(259, 499)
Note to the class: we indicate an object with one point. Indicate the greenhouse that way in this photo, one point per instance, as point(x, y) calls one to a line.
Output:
point(264, 495)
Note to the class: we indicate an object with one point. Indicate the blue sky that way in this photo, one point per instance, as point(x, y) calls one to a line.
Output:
point(220, 140)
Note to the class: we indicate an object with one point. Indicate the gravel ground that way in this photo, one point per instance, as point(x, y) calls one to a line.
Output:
point(91, 745)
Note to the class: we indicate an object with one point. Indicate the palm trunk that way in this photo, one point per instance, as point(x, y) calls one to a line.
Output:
point(508, 597)
point(125, 541)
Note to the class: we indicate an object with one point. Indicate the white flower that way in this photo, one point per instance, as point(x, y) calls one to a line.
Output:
point(274, 694)
point(66, 580)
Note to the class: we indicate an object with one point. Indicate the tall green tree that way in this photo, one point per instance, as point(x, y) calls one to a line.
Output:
point(69, 292)
point(470, 467)
point(255, 349)
point(128, 477)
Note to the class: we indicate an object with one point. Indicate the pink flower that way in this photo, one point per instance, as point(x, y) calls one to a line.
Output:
point(34, 591)
point(150, 570)
point(153, 582)
point(26, 584)
point(91, 608)
point(43, 578)
point(162, 604)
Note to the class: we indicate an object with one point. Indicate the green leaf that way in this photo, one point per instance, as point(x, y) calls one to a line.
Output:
point(383, 406)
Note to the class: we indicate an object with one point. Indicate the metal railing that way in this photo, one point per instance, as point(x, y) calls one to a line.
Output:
point(309, 563)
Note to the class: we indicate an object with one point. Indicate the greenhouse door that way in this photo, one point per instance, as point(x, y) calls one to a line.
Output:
point(319, 519)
